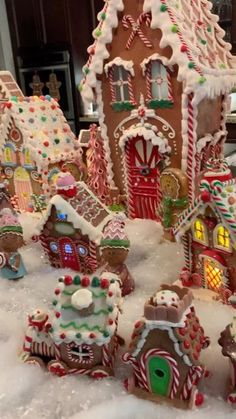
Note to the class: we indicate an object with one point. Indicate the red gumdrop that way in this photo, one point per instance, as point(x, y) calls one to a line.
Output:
point(199, 399)
point(206, 196)
point(104, 283)
point(85, 281)
point(68, 280)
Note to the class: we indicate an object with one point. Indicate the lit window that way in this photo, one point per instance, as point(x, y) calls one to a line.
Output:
point(82, 250)
point(68, 249)
point(199, 231)
point(27, 157)
point(54, 247)
point(222, 238)
point(213, 274)
point(9, 155)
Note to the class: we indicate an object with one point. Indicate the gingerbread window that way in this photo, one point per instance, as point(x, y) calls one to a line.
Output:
point(200, 232)
point(120, 73)
point(9, 155)
point(222, 238)
point(27, 162)
point(158, 75)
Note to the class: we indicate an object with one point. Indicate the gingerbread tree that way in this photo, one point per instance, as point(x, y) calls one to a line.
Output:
point(97, 166)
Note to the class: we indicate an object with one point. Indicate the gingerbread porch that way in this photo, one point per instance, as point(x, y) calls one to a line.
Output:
point(165, 349)
point(36, 142)
point(207, 230)
point(160, 72)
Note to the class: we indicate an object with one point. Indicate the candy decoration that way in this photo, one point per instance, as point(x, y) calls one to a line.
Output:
point(193, 377)
point(128, 21)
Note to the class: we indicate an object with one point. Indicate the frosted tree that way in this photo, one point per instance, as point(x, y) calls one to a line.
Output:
point(97, 166)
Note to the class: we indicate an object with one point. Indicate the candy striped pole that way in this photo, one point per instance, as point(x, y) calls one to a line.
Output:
point(111, 80)
point(191, 146)
point(128, 359)
point(148, 74)
point(193, 377)
point(131, 91)
point(169, 83)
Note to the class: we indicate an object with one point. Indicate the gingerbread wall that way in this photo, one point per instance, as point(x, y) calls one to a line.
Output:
point(137, 53)
point(209, 116)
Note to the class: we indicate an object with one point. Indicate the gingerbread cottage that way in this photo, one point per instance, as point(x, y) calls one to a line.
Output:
point(71, 228)
point(207, 229)
point(160, 72)
point(8, 88)
point(227, 341)
point(35, 143)
point(82, 336)
point(165, 349)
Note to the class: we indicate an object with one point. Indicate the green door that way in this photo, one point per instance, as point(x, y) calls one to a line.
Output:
point(160, 375)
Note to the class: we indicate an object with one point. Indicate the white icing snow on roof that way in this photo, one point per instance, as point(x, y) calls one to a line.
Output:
point(128, 65)
point(46, 132)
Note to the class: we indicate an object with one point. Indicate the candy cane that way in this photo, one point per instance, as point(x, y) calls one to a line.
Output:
point(128, 21)
point(194, 375)
point(106, 356)
point(169, 83)
point(191, 145)
point(171, 361)
point(148, 81)
point(128, 359)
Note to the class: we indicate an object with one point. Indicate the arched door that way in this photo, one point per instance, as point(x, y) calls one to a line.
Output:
point(68, 254)
point(160, 375)
point(141, 158)
point(23, 187)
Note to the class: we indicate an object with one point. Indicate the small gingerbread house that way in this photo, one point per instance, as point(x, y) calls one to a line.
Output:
point(82, 337)
point(227, 341)
point(165, 349)
point(71, 229)
point(207, 229)
point(35, 143)
point(8, 88)
point(160, 72)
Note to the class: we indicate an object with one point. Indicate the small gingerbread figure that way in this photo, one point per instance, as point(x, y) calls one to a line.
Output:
point(11, 238)
point(115, 247)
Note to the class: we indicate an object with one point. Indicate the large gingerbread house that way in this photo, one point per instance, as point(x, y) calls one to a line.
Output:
point(207, 230)
point(35, 143)
point(82, 337)
point(165, 349)
point(160, 72)
point(71, 229)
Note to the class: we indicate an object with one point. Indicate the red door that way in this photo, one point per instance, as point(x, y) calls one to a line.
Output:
point(68, 254)
point(142, 158)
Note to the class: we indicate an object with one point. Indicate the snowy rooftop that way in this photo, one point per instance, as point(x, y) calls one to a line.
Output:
point(189, 28)
point(44, 128)
point(85, 211)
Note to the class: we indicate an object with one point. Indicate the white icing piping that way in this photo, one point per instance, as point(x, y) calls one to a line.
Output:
point(128, 65)
point(154, 57)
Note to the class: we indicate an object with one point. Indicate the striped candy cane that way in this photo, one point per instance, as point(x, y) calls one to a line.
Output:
point(128, 21)
point(128, 359)
point(193, 377)
point(171, 361)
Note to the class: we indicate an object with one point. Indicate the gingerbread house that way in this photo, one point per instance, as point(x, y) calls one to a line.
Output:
point(71, 228)
point(165, 349)
point(160, 72)
point(8, 88)
point(35, 143)
point(207, 229)
point(227, 341)
point(82, 336)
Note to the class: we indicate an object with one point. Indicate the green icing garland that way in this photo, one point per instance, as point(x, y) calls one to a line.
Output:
point(82, 326)
point(122, 106)
point(155, 103)
point(168, 205)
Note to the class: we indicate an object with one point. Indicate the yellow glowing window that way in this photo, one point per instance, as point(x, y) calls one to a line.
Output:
point(223, 238)
point(7, 155)
point(199, 231)
point(27, 156)
point(213, 275)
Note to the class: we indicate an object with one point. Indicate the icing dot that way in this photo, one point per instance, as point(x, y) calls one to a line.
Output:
point(92, 335)
point(31, 120)
point(97, 33)
point(54, 302)
point(31, 109)
point(183, 48)
point(68, 280)
point(57, 291)
point(62, 335)
point(43, 118)
point(209, 29)
point(44, 155)
point(163, 8)
point(203, 42)
point(78, 335)
point(106, 334)
point(20, 110)
point(174, 28)
point(103, 16)
point(202, 80)
point(191, 64)
point(57, 314)
point(95, 282)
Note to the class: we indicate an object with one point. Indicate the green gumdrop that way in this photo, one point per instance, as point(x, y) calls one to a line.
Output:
point(174, 28)
point(44, 155)
point(106, 334)
point(95, 282)
point(56, 141)
point(78, 335)
point(77, 280)
point(163, 8)
point(43, 118)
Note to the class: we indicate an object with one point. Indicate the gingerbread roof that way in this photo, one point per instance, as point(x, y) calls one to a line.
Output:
point(85, 211)
point(189, 28)
point(44, 129)
point(220, 197)
point(8, 87)
point(178, 319)
point(86, 308)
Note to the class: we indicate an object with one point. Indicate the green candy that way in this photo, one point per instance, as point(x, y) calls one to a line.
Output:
point(77, 280)
point(163, 8)
point(174, 28)
point(95, 282)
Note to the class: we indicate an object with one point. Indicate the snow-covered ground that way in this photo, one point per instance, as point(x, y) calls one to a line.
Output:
point(30, 393)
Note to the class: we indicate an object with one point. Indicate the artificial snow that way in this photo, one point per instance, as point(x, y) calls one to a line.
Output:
point(28, 392)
